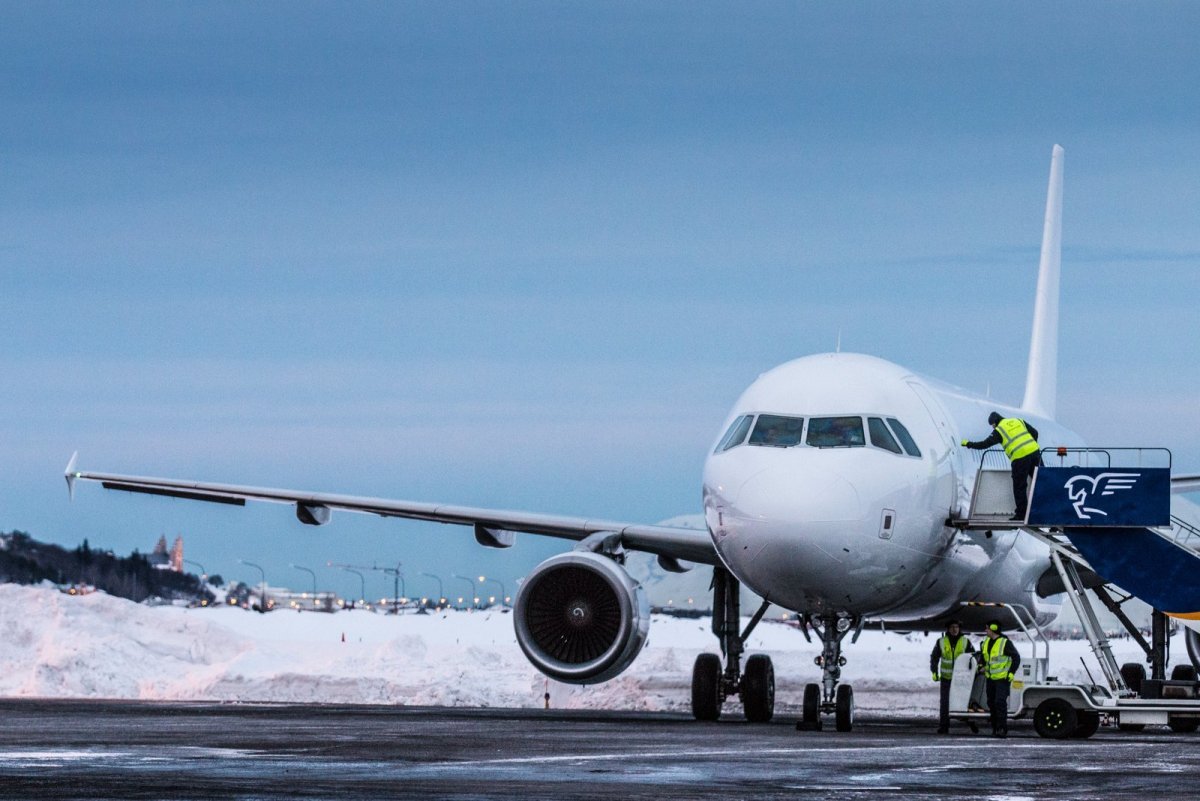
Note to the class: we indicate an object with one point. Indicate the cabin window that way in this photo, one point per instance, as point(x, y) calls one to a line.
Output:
point(737, 433)
point(880, 436)
point(777, 431)
point(836, 432)
point(910, 445)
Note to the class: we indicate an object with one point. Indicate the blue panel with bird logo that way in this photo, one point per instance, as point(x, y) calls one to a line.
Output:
point(1101, 496)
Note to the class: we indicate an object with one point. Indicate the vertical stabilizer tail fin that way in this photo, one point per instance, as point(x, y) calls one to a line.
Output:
point(1041, 382)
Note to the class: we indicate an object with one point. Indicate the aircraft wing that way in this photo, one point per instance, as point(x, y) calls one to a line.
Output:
point(493, 527)
point(1185, 483)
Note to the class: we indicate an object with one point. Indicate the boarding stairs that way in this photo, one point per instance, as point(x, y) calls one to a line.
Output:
point(1151, 555)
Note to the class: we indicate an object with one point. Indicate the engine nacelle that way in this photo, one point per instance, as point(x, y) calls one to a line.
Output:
point(580, 618)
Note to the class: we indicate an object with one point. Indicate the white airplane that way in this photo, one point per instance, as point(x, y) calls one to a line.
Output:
point(829, 493)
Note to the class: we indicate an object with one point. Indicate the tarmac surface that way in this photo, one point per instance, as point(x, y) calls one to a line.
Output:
point(145, 750)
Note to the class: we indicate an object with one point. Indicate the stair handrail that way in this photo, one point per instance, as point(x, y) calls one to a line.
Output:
point(1182, 531)
point(1142, 455)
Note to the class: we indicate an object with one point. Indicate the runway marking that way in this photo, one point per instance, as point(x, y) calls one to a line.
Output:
point(826, 788)
point(602, 757)
point(38, 756)
point(64, 754)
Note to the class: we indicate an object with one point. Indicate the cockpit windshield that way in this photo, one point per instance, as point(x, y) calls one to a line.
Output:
point(836, 432)
point(880, 436)
point(845, 431)
point(777, 431)
point(737, 433)
point(910, 446)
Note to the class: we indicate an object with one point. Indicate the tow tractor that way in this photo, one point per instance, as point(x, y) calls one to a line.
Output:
point(1140, 547)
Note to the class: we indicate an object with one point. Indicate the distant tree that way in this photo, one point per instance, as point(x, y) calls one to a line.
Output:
point(27, 561)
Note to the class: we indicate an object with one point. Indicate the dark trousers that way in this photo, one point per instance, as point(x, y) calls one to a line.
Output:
point(1022, 471)
point(944, 705)
point(997, 698)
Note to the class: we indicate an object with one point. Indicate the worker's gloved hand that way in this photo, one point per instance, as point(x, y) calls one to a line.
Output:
point(936, 677)
point(963, 443)
point(1010, 676)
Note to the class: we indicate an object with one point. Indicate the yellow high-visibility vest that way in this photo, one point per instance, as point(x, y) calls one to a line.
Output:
point(950, 654)
point(996, 665)
point(1015, 437)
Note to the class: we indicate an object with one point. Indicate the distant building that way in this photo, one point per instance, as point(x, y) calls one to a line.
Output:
point(177, 555)
point(162, 559)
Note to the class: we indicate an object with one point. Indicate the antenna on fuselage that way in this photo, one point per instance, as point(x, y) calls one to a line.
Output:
point(1041, 381)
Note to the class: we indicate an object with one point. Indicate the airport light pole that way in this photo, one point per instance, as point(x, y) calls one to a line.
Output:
point(398, 590)
point(474, 593)
point(203, 572)
point(314, 578)
point(441, 592)
point(503, 595)
point(362, 582)
point(397, 585)
point(262, 605)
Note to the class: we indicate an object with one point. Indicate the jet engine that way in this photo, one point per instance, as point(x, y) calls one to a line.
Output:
point(580, 618)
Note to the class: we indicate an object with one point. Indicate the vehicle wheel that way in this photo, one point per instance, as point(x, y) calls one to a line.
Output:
point(1055, 718)
point(1183, 725)
point(706, 687)
point(1183, 673)
point(811, 711)
point(1133, 674)
point(758, 689)
point(844, 707)
point(1088, 724)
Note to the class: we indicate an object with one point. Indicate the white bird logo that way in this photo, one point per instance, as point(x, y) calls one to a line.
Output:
point(1080, 487)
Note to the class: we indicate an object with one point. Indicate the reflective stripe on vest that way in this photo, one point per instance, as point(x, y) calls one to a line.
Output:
point(1015, 437)
point(949, 655)
point(996, 664)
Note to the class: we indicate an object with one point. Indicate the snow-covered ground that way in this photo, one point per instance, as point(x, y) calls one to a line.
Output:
point(96, 646)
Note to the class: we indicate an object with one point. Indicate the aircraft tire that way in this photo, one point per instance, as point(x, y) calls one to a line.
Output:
point(811, 711)
point(1055, 719)
point(706, 687)
point(1183, 673)
point(844, 707)
point(758, 689)
point(1088, 723)
point(1133, 674)
point(1183, 725)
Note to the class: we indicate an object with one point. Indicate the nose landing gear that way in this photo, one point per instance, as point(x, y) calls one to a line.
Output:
point(829, 697)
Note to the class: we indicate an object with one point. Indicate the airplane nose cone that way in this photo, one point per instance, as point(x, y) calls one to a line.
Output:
point(812, 496)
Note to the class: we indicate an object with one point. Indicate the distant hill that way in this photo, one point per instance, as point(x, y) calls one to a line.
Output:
point(24, 560)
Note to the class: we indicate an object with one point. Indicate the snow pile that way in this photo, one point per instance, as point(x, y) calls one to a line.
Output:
point(97, 646)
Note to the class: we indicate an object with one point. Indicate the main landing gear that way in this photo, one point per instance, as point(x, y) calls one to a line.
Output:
point(829, 697)
point(710, 684)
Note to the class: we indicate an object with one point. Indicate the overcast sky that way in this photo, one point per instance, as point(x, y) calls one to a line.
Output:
point(528, 255)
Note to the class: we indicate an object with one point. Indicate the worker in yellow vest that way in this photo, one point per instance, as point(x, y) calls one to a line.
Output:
point(1000, 663)
point(1021, 447)
point(946, 650)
